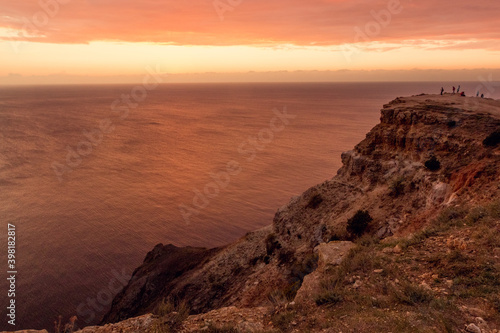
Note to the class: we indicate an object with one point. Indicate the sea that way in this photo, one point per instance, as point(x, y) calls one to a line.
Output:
point(92, 177)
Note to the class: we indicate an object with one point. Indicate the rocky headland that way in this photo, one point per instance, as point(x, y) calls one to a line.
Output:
point(405, 238)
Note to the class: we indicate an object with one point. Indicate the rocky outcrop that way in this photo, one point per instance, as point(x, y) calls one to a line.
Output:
point(427, 153)
point(132, 325)
point(238, 274)
point(329, 254)
point(164, 269)
point(386, 173)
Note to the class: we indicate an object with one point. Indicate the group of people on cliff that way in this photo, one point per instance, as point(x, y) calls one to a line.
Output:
point(460, 93)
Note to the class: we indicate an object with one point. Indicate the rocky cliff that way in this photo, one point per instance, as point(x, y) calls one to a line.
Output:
point(429, 168)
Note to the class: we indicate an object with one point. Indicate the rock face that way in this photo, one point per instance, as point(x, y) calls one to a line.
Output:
point(427, 153)
point(164, 269)
point(332, 253)
point(207, 279)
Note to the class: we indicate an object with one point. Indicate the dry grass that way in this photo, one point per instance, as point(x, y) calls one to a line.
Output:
point(397, 299)
point(170, 316)
point(221, 329)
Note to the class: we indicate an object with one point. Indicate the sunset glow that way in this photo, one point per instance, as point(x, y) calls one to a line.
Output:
point(119, 38)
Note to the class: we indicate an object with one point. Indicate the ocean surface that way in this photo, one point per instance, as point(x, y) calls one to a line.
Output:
point(93, 179)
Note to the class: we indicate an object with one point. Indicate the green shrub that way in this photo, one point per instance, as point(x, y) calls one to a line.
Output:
point(432, 163)
point(492, 140)
point(358, 224)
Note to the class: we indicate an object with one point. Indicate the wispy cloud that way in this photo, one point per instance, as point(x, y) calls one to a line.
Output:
point(255, 22)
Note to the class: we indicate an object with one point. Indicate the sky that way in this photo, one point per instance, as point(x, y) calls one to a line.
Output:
point(47, 41)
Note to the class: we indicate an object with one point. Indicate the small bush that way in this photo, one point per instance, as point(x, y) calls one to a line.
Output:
point(286, 257)
point(368, 240)
point(358, 224)
point(315, 201)
point(272, 244)
point(164, 308)
point(432, 163)
point(283, 320)
point(255, 260)
point(492, 140)
point(476, 215)
point(170, 316)
point(328, 297)
point(412, 295)
point(278, 298)
point(451, 123)
point(450, 217)
point(360, 259)
point(417, 238)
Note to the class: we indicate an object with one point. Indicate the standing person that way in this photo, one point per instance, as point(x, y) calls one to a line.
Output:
point(453, 89)
point(482, 95)
point(442, 90)
point(458, 89)
point(477, 94)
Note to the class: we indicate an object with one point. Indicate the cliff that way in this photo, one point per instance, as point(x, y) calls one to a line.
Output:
point(405, 238)
point(427, 154)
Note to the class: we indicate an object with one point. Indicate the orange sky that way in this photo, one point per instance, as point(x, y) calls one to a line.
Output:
point(96, 38)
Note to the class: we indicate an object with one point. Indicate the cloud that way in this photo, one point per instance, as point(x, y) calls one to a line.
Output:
point(251, 22)
point(488, 44)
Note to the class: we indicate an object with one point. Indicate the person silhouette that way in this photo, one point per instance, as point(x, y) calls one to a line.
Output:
point(442, 90)
point(458, 89)
point(453, 89)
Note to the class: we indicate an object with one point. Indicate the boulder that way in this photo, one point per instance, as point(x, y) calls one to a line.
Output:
point(332, 253)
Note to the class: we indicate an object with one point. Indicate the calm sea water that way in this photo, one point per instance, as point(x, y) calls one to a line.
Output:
point(91, 189)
